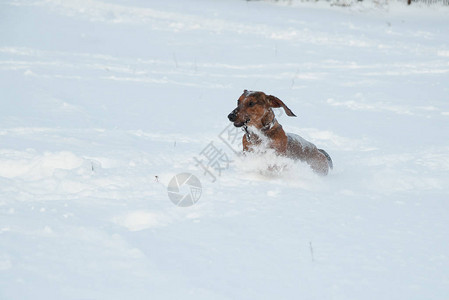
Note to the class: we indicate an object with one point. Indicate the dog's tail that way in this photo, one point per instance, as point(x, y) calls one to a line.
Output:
point(329, 159)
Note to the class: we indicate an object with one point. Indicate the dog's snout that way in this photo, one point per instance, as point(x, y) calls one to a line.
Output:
point(232, 116)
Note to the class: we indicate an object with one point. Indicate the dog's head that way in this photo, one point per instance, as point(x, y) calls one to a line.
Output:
point(254, 109)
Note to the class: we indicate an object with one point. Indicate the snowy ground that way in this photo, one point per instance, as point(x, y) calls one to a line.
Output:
point(99, 97)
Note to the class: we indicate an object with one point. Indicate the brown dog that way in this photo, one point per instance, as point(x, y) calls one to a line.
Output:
point(254, 109)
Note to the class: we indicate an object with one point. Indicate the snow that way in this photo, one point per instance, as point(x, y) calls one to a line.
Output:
point(103, 102)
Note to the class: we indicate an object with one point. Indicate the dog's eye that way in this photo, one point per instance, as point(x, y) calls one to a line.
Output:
point(251, 103)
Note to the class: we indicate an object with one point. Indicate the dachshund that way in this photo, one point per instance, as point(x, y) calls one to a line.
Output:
point(255, 115)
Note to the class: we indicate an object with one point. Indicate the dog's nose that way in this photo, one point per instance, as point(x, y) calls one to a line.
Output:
point(232, 117)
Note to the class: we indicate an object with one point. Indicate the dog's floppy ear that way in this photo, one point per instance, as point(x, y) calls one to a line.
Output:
point(276, 102)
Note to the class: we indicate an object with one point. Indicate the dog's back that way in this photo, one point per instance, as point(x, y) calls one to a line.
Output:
point(299, 148)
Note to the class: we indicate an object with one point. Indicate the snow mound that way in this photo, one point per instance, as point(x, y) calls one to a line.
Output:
point(31, 165)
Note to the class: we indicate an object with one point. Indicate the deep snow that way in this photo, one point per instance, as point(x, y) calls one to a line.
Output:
point(100, 97)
